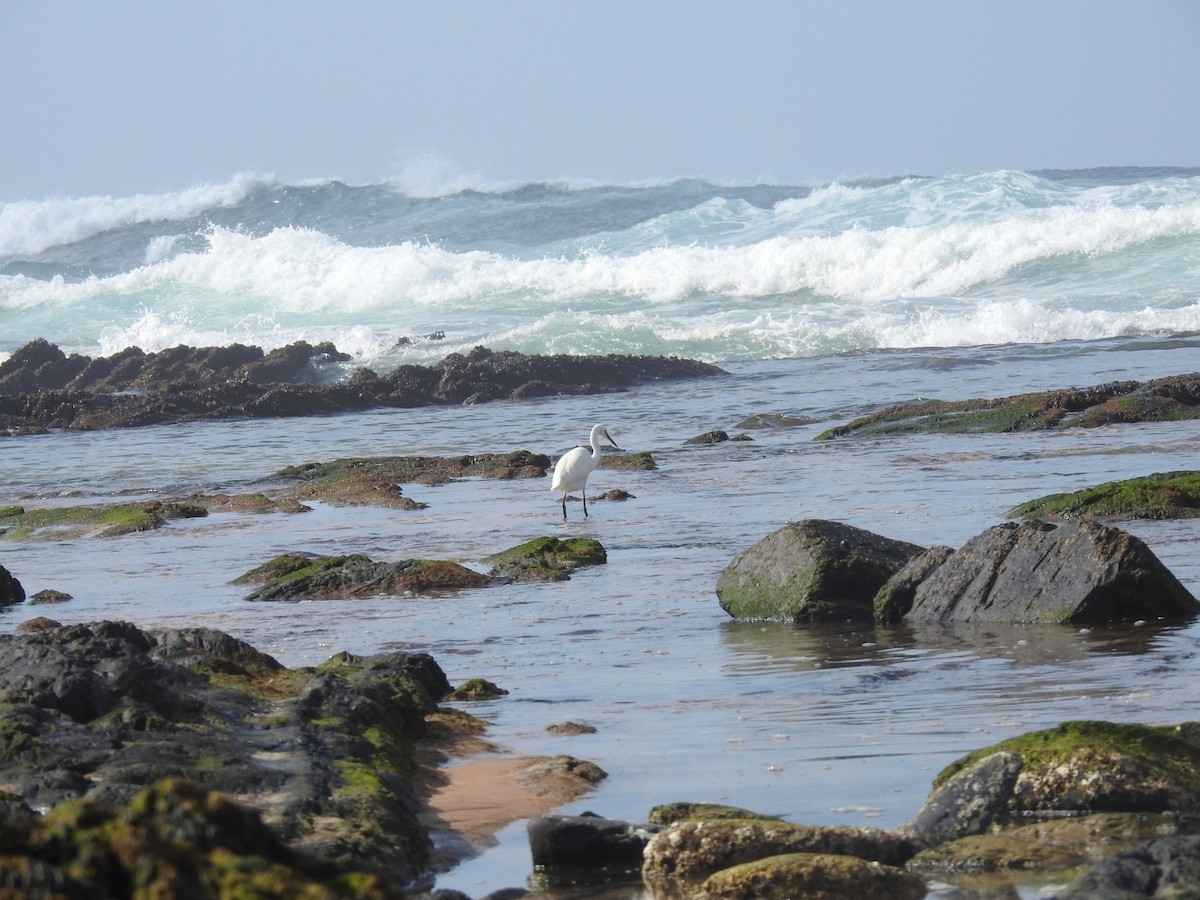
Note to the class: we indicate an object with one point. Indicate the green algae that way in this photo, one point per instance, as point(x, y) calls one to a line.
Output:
point(1102, 765)
point(547, 559)
point(670, 813)
point(477, 689)
point(1166, 495)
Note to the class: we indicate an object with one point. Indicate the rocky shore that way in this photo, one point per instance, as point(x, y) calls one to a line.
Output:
point(42, 388)
point(184, 762)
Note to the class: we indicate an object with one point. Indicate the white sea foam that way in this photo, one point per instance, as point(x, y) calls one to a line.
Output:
point(32, 226)
point(1000, 257)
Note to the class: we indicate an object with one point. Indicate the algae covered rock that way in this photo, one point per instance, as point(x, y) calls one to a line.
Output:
point(813, 877)
point(670, 813)
point(1076, 574)
point(809, 571)
point(1166, 495)
point(1090, 766)
point(547, 559)
point(96, 712)
point(691, 850)
point(1161, 400)
point(173, 839)
point(301, 577)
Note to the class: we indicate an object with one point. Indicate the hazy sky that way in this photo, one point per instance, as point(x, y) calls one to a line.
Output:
point(124, 97)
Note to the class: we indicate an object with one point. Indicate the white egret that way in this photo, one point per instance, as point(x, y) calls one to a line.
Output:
point(573, 467)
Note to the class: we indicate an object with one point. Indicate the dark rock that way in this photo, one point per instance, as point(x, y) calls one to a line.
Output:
point(588, 842)
point(1077, 574)
point(1169, 867)
point(49, 595)
point(895, 598)
point(42, 388)
point(10, 589)
point(813, 570)
point(968, 802)
point(96, 713)
point(709, 437)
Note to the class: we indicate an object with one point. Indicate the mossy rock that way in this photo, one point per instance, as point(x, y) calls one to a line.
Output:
point(1089, 766)
point(1162, 400)
point(1166, 495)
point(670, 813)
point(547, 559)
point(1046, 846)
point(693, 849)
point(294, 576)
point(62, 522)
point(477, 689)
point(629, 462)
point(173, 839)
point(377, 480)
point(814, 877)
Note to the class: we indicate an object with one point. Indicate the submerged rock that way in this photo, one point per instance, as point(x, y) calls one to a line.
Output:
point(547, 559)
point(1169, 867)
point(297, 576)
point(1076, 574)
point(809, 571)
point(1166, 495)
point(1164, 399)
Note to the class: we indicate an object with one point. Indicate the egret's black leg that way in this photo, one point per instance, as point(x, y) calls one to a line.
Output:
point(564, 507)
point(584, 492)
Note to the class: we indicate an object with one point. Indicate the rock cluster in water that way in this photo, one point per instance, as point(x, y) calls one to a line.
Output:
point(43, 388)
point(1078, 573)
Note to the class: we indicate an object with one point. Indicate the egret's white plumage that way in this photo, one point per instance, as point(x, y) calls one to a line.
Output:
point(573, 467)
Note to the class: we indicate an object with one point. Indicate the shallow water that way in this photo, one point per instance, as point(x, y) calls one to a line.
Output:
point(839, 725)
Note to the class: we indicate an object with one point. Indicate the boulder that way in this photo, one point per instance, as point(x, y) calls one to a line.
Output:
point(93, 713)
point(967, 802)
point(10, 589)
point(1081, 573)
point(813, 570)
point(1081, 767)
point(588, 842)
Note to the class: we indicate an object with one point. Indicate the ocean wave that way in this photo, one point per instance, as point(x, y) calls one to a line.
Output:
point(29, 227)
